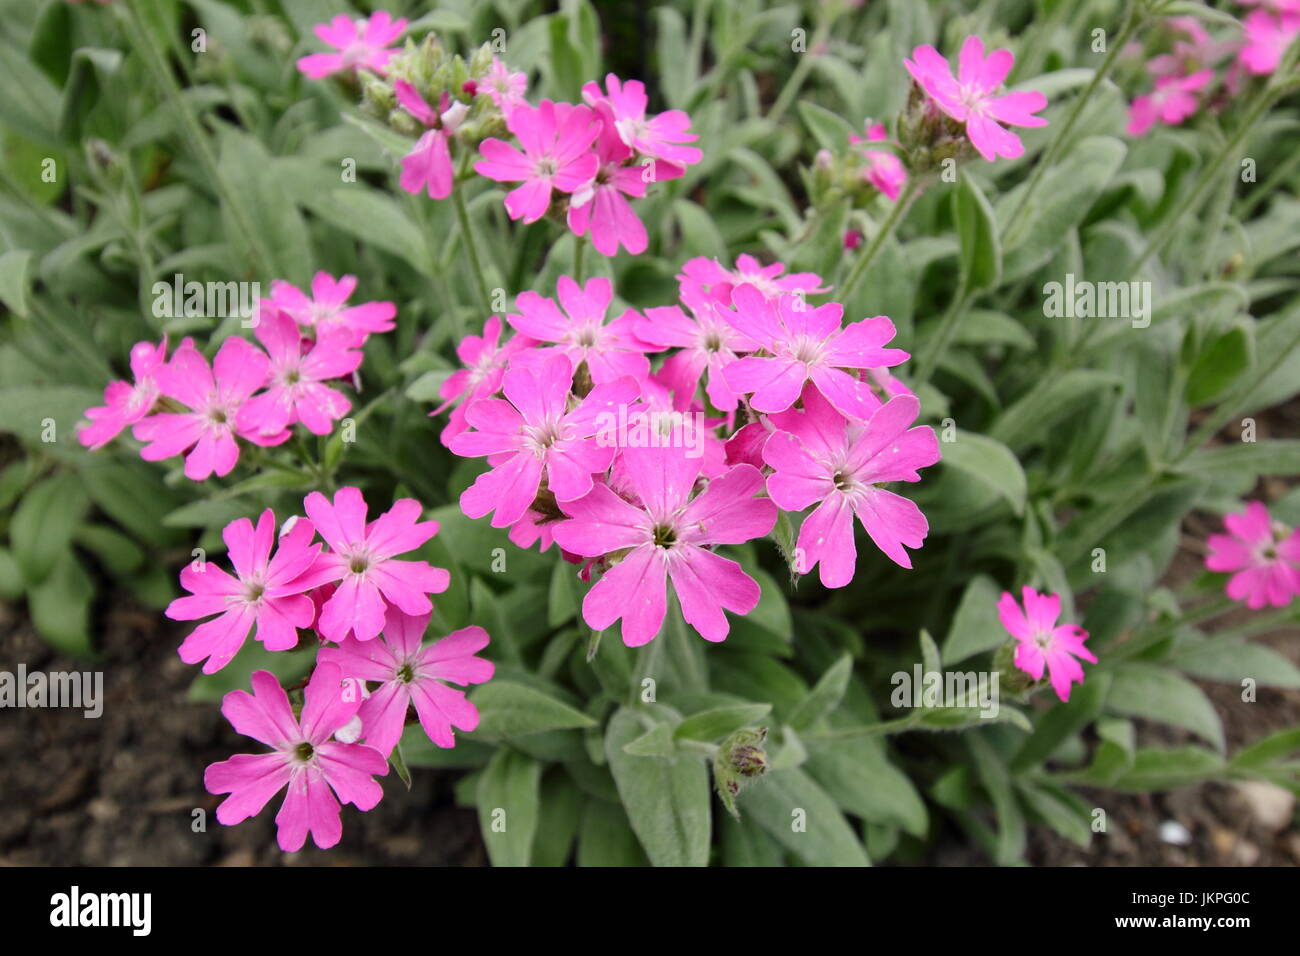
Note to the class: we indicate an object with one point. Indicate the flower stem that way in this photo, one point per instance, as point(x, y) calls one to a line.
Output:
point(910, 192)
point(579, 247)
point(935, 347)
point(799, 74)
point(1014, 225)
point(471, 248)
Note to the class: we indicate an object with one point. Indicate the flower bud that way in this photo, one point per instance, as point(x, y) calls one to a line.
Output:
point(740, 760)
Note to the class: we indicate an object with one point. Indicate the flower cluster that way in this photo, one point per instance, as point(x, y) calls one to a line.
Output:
point(370, 607)
point(577, 162)
point(183, 406)
point(1196, 69)
point(755, 402)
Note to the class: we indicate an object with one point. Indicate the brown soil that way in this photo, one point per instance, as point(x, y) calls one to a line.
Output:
point(120, 790)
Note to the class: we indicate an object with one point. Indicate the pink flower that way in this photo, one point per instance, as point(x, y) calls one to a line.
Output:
point(410, 673)
point(1042, 643)
point(556, 140)
point(659, 137)
point(316, 769)
point(1266, 38)
point(710, 277)
point(295, 393)
point(428, 165)
point(706, 342)
point(531, 435)
point(265, 593)
point(362, 557)
point(1172, 101)
point(884, 170)
point(504, 88)
point(125, 403)
point(807, 344)
point(485, 358)
point(362, 44)
point(600, 206)
point(610, 351)
point(208, 430)
point(668, 535)
point(1263, 555)
point(820, 457)
point(969, 97)
point(852, 239)
point(327, 307)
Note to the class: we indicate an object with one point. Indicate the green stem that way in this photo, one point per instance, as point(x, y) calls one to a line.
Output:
point(1148, 639)
point(471, 248)
point(194, 133)
point(910, 192)
point(937, 346)
point(579, 247)
point(799, 74)
point(1014, 224)
point(880, 729)
point(1263, 101)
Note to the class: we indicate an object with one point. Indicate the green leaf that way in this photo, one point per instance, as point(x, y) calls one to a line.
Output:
point(508, 801)
point(557, 820)
point(1274, 747)
point(1062, 721)
point(825, 695)
point(830, 130)
point(796, 812)
point(1058, 808)
point(860, 778)
point(60, 607)
point(289, 667)
point(667, 799)
point(606, 838)
point(1157, 769)
point(996, 779)
point(1156, 693)
point(989, 462)
point(1235, 660)
point(977, 235)
point(976, 626)
point(1048, 402)
point(510, 709)
point(1277, 457)
point(43, 524)
point(279, 225)
point(1220, 364)
point(15, 280)
point(712, 725)
point(655, 742)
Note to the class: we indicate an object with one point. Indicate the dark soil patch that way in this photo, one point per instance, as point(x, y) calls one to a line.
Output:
point(121, 790)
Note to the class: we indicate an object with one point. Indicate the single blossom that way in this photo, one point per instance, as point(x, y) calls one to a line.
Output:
point(706, 344)
point(1172, 101)
point(264, 594)
point(362, 44)
point(807, 344)
point(668, 535)
point(580, 332)
point(531, 437)
point(428, 165)
point(485, 358)
point(601, 207)
point(327, 307)
point(1263, 557)
point(318, 771)
point(819, 457)
point(295, 392)
point(708, 276)
point(556, 156)
point(1266, 37)
point(411, 673)
point(1042, 643)
point(362, 560)
point(214, 396)
point(970, 97)
point(659, 137)
point(502, 87)
point(126, 403)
